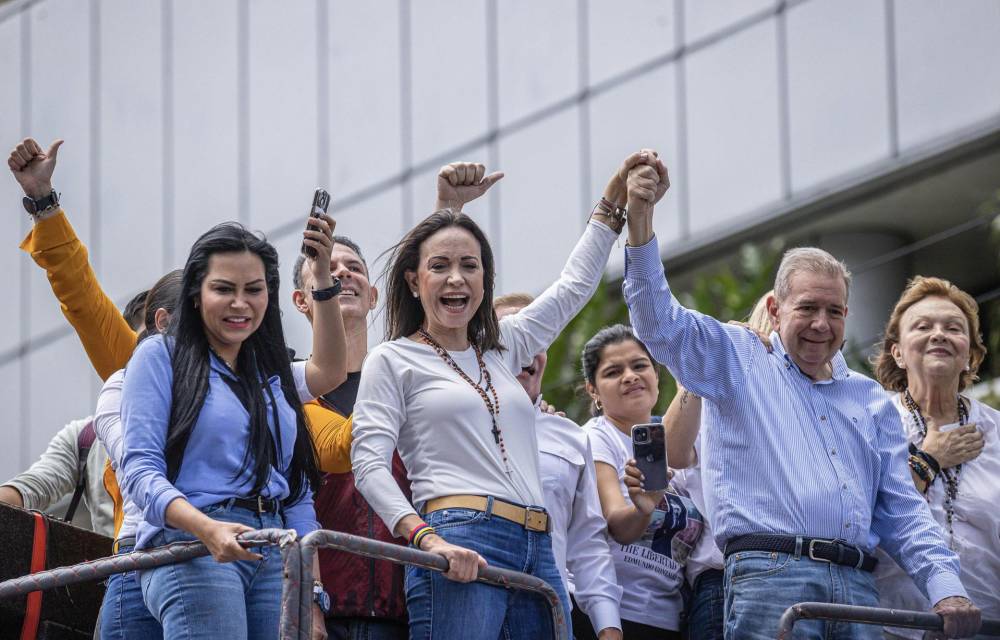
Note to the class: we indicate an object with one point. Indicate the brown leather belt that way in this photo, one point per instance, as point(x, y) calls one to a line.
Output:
point(531, 518)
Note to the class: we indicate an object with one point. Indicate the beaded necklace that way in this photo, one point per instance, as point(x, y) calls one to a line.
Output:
point(492, 405)
point(951, 476)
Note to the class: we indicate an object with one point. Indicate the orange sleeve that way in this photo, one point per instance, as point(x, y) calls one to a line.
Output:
point(332, 437)
point(106, 336)
point(111, 486)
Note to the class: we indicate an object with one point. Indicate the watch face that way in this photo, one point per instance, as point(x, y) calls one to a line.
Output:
point(29, 204)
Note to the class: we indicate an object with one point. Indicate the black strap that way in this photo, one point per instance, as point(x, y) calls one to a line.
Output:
point(835, 551)
point(84, 442)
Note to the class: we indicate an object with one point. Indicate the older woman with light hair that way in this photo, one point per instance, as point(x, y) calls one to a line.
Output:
point(930, 354)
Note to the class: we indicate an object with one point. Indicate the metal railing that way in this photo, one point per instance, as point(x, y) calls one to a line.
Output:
point(868, 615)
point(297, 559)
point(405, 555)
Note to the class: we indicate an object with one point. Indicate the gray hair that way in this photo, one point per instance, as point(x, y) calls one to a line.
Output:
point(811, 260)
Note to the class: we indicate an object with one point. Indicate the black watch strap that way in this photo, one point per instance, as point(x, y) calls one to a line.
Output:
point(319, 295)
point(34, 207)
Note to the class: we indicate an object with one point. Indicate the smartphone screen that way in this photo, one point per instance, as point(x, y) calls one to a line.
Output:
point(320, 205)
point(649, 448)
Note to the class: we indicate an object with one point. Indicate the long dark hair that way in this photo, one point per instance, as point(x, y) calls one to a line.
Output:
point(405, 314)
point(261, 356)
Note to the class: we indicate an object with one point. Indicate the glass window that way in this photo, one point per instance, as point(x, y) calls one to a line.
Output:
point(733, 141)
point(283, 145)
point(541, 215)
point(448, 62)
point(364, 95)
point(636, 115)
point(538, 62)
point(205, 121)
point(626, 34)
point(838, 92)
point(948, 66)
point(706, 18)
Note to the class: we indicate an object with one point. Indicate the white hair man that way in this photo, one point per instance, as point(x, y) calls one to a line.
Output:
point(805, 463)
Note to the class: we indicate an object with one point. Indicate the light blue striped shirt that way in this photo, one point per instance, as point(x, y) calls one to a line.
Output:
point(785, 454)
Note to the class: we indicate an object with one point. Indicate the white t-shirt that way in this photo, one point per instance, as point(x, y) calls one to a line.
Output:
point(706, 554)
point(409, 399)
point(976, 524)
point(579, 532)
point(651, 571)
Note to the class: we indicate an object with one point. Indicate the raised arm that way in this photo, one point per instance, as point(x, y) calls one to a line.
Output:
point(326, 368)
point(681, 423)
point(535, 327)
point(705, 355)
point(55, 247)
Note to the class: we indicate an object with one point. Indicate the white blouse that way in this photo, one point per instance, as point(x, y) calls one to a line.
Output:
point(976, 524)
point(409, 399)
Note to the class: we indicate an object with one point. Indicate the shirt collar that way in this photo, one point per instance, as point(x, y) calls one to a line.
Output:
point(839, 364)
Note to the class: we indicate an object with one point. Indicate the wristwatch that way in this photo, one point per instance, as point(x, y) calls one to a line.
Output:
point(321, 598)
point(319, 295)
point(36, 207)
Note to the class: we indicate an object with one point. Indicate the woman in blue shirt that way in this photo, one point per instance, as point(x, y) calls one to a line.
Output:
point(215, 439)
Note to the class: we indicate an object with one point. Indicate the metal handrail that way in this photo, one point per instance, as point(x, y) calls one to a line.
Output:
point(171, 554)
point(399, 554)
point(869, 615)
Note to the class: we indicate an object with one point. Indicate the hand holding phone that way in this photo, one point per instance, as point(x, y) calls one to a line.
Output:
point(320, 205)
point(649, 449)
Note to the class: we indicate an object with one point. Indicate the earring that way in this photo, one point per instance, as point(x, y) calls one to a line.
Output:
point(900, 364)
point(597, 403)
point(968, 366)
point(416, 295)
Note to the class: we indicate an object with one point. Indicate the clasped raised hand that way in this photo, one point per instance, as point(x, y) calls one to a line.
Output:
point(462, 182)
point(32, 167)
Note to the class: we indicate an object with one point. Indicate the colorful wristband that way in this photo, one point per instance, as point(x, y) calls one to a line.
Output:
point(423, 533)
point(417, 529)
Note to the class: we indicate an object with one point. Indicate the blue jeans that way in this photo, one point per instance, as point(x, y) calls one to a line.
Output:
point(123, 613)
point(442, 609)
point(202, 598)
point(760, 585)
point(708, 602)
point(364, 629)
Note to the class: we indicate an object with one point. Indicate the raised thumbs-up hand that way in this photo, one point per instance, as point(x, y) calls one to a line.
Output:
point(32, 167)
point(462, 182)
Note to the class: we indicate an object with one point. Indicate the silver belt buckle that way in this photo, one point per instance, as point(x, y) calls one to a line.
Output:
point(260, 504)
point(536, 519)
point(812, 555)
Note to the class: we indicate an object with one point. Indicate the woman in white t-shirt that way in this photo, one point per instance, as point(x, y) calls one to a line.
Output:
point(443, 391)
point(930, 353)
point(654, 535)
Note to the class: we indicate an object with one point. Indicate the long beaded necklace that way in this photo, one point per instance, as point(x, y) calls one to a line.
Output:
point(951, 476)
point(492, 405)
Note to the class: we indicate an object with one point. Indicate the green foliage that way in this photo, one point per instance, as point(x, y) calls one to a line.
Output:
point(729, 292)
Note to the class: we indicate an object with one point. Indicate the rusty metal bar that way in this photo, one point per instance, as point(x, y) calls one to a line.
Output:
point(405, 555)
point(868, 615)
point(291, 586)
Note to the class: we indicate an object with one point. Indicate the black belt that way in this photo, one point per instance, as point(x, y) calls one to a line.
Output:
point(259, 504)
point(835, 551)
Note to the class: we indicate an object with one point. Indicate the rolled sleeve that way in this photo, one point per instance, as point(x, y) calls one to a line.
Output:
point(944, 584)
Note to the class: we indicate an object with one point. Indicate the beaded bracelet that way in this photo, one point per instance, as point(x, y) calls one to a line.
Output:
point(922, 469)
point(417, 529)
point(423, 533)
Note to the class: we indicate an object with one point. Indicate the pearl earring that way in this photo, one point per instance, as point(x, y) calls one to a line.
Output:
point(416, 295)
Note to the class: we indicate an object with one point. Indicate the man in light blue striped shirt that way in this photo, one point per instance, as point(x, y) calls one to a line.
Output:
point(804, 465)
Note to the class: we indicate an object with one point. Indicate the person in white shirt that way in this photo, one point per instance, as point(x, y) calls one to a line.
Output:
point(655, 532)
point(931, 352)
point(442, 390)
point(579, 531)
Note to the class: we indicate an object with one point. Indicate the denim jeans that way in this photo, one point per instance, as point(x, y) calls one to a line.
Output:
point(760, 585)
point(442, 609)
point(202, 598)
point(365, 629)
point(123, 613)
point(708, 602)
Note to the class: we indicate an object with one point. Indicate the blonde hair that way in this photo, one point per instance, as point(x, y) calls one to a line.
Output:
point(760, 319)
point(888, 373)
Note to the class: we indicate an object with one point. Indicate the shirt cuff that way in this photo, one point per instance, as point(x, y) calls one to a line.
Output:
point(944, 584)
point(49, 233)
point(643, 261)
point(603, 613)
point(157, 515)
point(28, 497)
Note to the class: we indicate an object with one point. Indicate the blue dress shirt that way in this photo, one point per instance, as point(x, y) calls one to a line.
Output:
point(213, 468)
point(786, 454)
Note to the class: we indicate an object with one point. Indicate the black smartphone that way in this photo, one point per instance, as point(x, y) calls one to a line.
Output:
point(320, 205)
point(649, 448)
